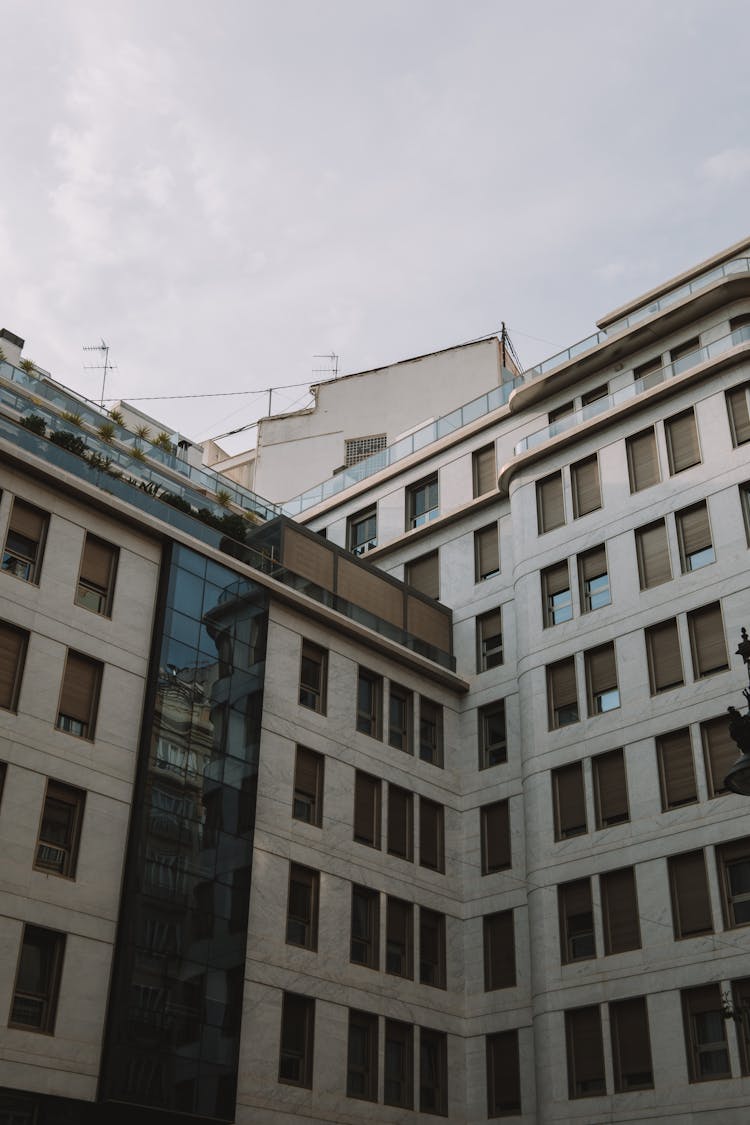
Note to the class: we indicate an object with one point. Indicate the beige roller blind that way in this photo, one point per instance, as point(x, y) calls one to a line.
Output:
point(682, 441)
point(653, 554)
point(677, 772)
point(665, 663)
point(575, 898)
point(570, 803)
point(562, 680)
point(27, 521)
point(610, 788)
point(593, 564)
point(80, 689)
point(643, 460)
point(602, 669)
point(484, 470)
point(556, 579)
point(97, 562)
point(690, 901)
point(12, 653)
point(549, 503)
point(308, 771)
point(487, 551)
point(695, 531)
point(620, 908)
point(721, 752)
point(586, 492)
point(308, 556)
point(424, 574)
point(739, 413)
point(371, 591)
point(707, 638)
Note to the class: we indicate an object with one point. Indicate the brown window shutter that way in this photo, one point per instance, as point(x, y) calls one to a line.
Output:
point(367, 809)
point(12, 653)
point(399, 822)
point(695, 530)
point(620, 910)
point(707, 635)
point(610, 787)
point(424, 574)
point(569, 800)
point(665, 662)
point(549, 502)
point(585, 1051)
point(643, 460)
point(562, 681)
point(721, 752)
point(593, 564)
point(495, 826)
point(503, 1074)
point(27, 521)
point(499, 951)
point(576, 920)
point(682, 441)
point(485, 472)
point(430, 834)
point(690, 902)
point(739, 413)
point(80, 689)
point(556, 579)
point(487, 551)
point(602, 668)
point(653, 554)
point(586, 491)
point(631, 1044)
point(97, 562)
point(307, 770)
point(677, 772)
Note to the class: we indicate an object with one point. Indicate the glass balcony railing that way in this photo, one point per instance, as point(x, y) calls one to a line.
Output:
point(565, 356)
point(737, 265)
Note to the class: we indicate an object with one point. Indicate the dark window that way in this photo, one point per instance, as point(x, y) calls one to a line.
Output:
point(683, 449)
point(13, 645)
point(399, 1064)
point(562, 693)
point(649, 374)
point(494, 823)
point(313, 676)
point(733, 861)
point(720, 752)
point(399, 938)
point(631, 1045)
point(308, 786)
point(691, 906)
point(431, 835)
point(96, 582)
point(738, 408)
point(362, 531)
point(400, 822)
point(37, 980)
point(24, 543)
point(643, 460)
point(493, 746)
point(297, 1034)
point(576, 921)
point(424, 574)
point(431, 948)
point(60, 831)
point(557, 601)
point(489, 640)
point(694, 534)
point(685, 355)
point(664, 660)
point(503, 1075)
point(559, 412)
point(484, 470)
point(583, 1035)
point(601, 679)
point(584, 479)
point(362, 1057)
point(620, 911)
point(652, 550)
point(369, 703)
point(594, 395)
point(550, 506)
point(433, 1072)
point(79, 696)
point(707, 640)
point(705, 1034)
point(302, 906)
point(422, 503)
point(568, 801)
point(486, 552)
point(594, 579)
point(610, 789)
point(676, 772)
point(499, 951)
point(400, 718)
point(741, 1004)
point(367, 802)
point(430, 731)
point(365, 938)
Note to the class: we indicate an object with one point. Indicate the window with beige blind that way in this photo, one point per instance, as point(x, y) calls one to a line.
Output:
point(79, 696)
point(369, 703)
point(499, 951)
point(96, 580)
point(733, 862)
point(674, 753)
point(583, 1038)
point(493, 744)
point(400, 718)
point(694, 535)
point(494, 825)
point(691, 906)
point(367, 803)
point(431, 948)
point(557, 601)
point(13, 645)
point(399, 938)
point(489, 640)
point(631, 1045)
point(433, 1071)
point(430, 731)
point(37, 980)
point(576, 921)
point(365, 932)
point(705, 1033)
point(683, 448)
point(593, 578)
point(362, 1056)
point(643, 460)
point(307, 803)
point(652, 551)
point(483, 470)
point(313, 677)
point(562, 693)
point(720, 752)
point(398, 1083)
point(431, 835)
point(584, 479)
point(503, 1074)
point(568, 801)
point(707, 645)
point(550, 506)
point(24, 542)
point(622, 929)
point(424, 574)
point(601, 679)
point(60, 830)
point(610, 789)
point(400, 822)
point(486, 553)
point(738, 409)
point(296, 1040)
point(302, 906)
point(663, 654)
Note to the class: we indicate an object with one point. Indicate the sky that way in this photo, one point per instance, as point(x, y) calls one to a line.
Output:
point(222, 192)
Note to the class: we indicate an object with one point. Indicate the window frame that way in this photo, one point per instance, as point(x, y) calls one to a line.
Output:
point(369, 712)
point(427, 849)
point(366, 519)
point(676, 763)
point(585, 486)
point(316, 690)
point(729, 855)
point(417, 515)
point(550, 503)
point(362, 782)
point(492, 753)
point(15, 558)
point(676, 432)
point(73, 799)
point(292, 1023)
point(406, 797)
point(601, 682)
point(12, 664)
point(688, 533)
point(707, 617)
point(485, 557)
point(431, 746)
point(720, 757)
point(583, 1039)
point(401, 738)
point(489, 644)
point(86, 587)
point(75, 725)
point(483, 463)
point(575, 904)
point(494, 821)
point(499, 943)
point(432, 971)
point(642, 452)
point(503, 1074)
point(571, 709)
point(308, 878)
point(663, 663)
point(46, 997)
point(393, 905)
point(554, 587)
point(696, 1002)
point(367, 1069)
point(433, 1097)
point(402, 1034)
point(737, 401)
point(426, 570)
point(630, 1040)
point(688, 877)
point(608, 788)
point(568, 801)
point(367, 935)
point(621, 928)
point(593, 560)
point(310, 798)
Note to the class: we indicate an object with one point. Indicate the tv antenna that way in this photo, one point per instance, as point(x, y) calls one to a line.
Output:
point(103, 367)
point(332, 371)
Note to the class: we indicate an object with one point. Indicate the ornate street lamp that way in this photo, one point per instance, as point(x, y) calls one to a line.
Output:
point(738, 778)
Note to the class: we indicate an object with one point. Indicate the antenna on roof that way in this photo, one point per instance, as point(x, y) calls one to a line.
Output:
point(331, 371)
point(103, 367)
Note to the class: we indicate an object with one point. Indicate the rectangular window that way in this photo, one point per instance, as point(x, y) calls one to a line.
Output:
point(733, 861)
point(705, 1034)
point(302, 907)
point(694, 534)
point(431, 835)
point(568, 801)
point(424, 574)
point(691, 906)
point(433, 1072)
point(610, 789)
point(683, 449)
point(583, 1036)
point(96, 581)
point(60, 830)
point(557, 601)
point(738, 408)
point(400, 718)
point(594, 579)
point(576, 921)
point(601, 679)
point(493, 745)
point(13, 645)
point(362, 1057)
point(422, 502)
point(494, 825)
point(720, 752)
point(369, 703)
point(431, 948)
point(430, 731)
point(367, 804)
point(584, 479)
point(37, 980)
point(649, 374)
point(313, 676)
point(365, 937)
point(620, 911)
point(24, 543)
point(664, 660)
point(563, 411)
point(595, 395)
point(484, 470)
point(631, 1045)
point(676, 772)
point(486, 553)
point(685, 355)
point(399, 938)
point(503, 1075)
point(499, 951)
point(707, 640)
point(307, 803)
point(489, 640)
point(550, 506)
point(400, 822)
point(562, 693)
point(398, 1087)
point(362, 531)
point(652, 550)
point(297, 1033)
point(79, 696)
point(643, 460)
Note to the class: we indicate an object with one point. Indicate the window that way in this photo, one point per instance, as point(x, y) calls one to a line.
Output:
point(493, 746)
point(80, 695)
point(583, 1036)
point(486, 553)
point(705, 1034)
point(297, 1033)
point(362, 531)
point(37, 980)
point(424, 574)
point(576, 921)
point(557, 603)
point(431, 835)
point(430, 731)
point(503, 1075)
point(365, 939)
point(431, 948)
point(683, 449)
point(484, 470)
point(563, 411)
point(400, 718)
point(739, 326)
point(499, 951)
point(610, 789)
point(307, 803)
point(422, 502)
point(367, 799)
point(550, 507)
point(398, 1088)
point(663, 653)
point(738, 409)
point(691, 907)
point(313, 676)
point(595, 395)
point(707, 640)
point(676, 773)
point(433, 1072)
point(360, 448)
point(584, 479)
point(601, 679)
point(694, 534)
point(568, 801)
point(362, 1057)
point(562, 693)
point(13, 644)
point(720, 752)
point(686, 355)
point(643, 460)
point(631, 1045)
point(96, 582)
point(400, 822)
point(741, 1004)
point(494, 825)
point(733, 861)
point(652, 550)
point(594, 579)
point(649, 374)
point(369, 703)
point(489, 640)
point(24, 543)
point(399, 938)
point(302, 907)
point(620, 911)
point(60, 830)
